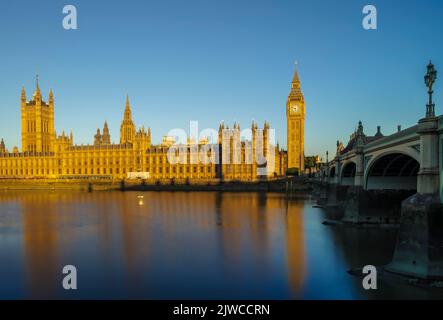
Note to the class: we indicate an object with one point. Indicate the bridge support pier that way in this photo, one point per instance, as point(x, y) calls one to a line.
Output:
point(335, 203)
point(419, 249)
point(373, 207)
point(352, 205)
point(323, 194)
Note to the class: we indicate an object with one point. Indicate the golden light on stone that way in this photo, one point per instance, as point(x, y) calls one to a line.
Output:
point(295, 123)
point(46, 155)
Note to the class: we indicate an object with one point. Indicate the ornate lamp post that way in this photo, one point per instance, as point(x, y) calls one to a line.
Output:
point(430, 78)
point(327, 165)
point(421, 227)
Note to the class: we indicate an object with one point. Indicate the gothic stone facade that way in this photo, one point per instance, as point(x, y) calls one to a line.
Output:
point(45, 155)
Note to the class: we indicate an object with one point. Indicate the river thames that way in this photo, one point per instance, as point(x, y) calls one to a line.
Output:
point(185, 245)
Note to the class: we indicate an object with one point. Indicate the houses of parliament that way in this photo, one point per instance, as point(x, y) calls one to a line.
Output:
point(46, 155)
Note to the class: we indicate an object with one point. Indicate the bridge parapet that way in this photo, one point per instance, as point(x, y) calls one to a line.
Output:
point(364, 151)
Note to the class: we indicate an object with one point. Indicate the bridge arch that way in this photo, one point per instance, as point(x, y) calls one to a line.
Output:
point(394, 170)
point(348, 173)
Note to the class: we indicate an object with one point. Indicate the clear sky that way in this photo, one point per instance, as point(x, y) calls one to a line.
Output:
point(213, 60)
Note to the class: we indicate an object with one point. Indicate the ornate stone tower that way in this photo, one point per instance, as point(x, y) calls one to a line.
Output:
point(37, 122)
point(98, 138)
point(295, 123)
point(2, 146)
point(102, 139)
point(143, 139)
point(106, 137)
point(127, 128)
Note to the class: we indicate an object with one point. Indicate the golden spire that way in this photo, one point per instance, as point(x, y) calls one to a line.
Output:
point(127, 128)
point(37, 93)
point(105, 129)
point(296, 79)
point(296, 93)
point(23, 96)
point(128, 114)
point(51, 96)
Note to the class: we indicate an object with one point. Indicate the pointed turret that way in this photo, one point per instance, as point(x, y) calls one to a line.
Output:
point(37, 94)
point(51, 97)
point(149, 137)
point(23, 95)
point(127, 128)
point(98, 138)
point(128, 113)
point(221, 127)
point(295, 78)
point(296, 93)
point(106, 138)
point(2, 146)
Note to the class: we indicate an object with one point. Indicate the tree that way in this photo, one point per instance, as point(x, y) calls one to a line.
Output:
point(310, 162)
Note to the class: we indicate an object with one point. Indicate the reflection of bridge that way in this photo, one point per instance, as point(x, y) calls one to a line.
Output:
point(399, 173)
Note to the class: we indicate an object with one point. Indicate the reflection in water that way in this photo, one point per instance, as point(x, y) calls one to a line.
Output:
point(295, 245)
point(183, 245)
point(40, 240)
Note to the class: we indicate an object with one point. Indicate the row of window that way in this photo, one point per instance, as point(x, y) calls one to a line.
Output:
point(6, 172)
point(151, 159)
point(160, 170)
point(80, 162)
point(11, 172)
point(27, 164)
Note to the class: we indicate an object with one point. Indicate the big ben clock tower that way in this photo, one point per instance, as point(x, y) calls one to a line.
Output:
point(295, 123)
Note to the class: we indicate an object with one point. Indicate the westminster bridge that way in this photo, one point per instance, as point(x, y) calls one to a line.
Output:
point(393, 180)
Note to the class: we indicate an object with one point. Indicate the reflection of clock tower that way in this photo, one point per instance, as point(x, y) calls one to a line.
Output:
point(295, 116)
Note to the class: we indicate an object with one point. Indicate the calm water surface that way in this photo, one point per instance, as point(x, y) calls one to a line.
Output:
point(185, 245)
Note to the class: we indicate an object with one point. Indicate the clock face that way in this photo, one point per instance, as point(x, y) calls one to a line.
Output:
point(294, 109)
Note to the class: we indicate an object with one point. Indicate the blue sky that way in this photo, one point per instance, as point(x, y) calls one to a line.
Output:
point(228, 60)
